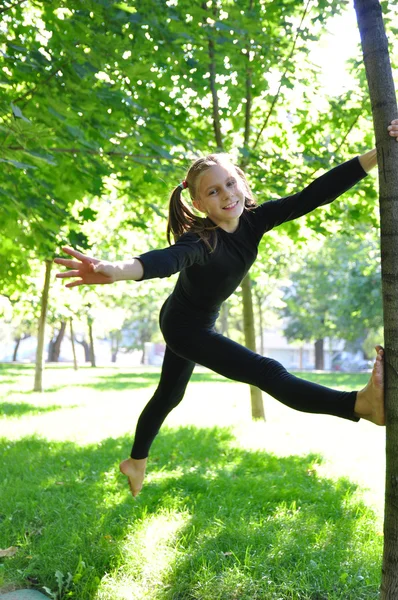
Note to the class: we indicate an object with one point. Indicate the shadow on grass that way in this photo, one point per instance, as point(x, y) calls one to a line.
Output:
point(259, 526)
point(19, 409)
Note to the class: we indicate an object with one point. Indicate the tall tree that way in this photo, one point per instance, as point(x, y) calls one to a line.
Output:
point(384, 109)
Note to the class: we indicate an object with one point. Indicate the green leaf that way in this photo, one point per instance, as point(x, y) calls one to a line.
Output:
point(88, 214)
point(125, 7)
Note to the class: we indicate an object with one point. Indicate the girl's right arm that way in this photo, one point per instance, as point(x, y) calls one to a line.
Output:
point(90, 271)
point(86, 270)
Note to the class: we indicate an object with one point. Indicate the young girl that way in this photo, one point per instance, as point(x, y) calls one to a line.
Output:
point(213, 254)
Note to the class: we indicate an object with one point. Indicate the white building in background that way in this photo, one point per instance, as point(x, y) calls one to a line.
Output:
point(295, 356)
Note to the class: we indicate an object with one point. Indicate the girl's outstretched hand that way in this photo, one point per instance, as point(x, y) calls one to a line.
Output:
point(88, 270)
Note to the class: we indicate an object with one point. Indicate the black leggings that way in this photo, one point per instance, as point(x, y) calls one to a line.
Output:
point(191, 341)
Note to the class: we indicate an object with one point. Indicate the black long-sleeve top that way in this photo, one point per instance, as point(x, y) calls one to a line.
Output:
point(207, 278)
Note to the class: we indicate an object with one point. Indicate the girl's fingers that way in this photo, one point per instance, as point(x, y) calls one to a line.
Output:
point(74, 283)
point(393, 128)
point(66, 262)
point(78, 255)
point(68, 274)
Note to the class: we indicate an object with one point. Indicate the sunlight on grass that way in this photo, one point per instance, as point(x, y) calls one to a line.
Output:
point(148, 553)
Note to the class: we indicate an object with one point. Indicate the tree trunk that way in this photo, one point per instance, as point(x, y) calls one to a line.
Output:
point(55, 345)
point(114, 346)
point(384, 109)
point(319, 355)
point(259, 298)
point(250, 340)
point(72, 340)
point(86, 349)
point(16, 347)
point(91, 338)
point(213, 87)
point(224, 319)
point(38, 385)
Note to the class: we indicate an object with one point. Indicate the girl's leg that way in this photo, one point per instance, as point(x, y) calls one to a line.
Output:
point(176, 373)
point(222, 355)
point(174, 378)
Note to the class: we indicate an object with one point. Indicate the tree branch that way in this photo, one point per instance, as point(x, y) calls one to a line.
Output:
point(276, 97)
point(32, 90)
point(95, 152)
point(3, 10)
point(249, 100)
point(213, 88)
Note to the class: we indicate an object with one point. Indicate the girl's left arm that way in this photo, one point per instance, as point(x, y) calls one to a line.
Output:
point(321, 191)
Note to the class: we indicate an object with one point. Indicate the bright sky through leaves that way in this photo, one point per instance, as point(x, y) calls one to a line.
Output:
point(334, 49)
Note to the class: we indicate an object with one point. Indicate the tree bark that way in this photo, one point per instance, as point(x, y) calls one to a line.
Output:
point(72, 340)
point(384, 109)
point(55, 345)
point(86, 349)
point(319, 355)
point(259, 298)
point(38, 385)
point(213, 88)
point(91, 338)
point(256, 395)
point(224, 319)
point(16, 347)
point(250, 339)
point(115, 339)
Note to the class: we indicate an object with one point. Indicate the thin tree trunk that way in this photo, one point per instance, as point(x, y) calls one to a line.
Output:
point(224, 319)
point(16, 347)
point(384, 109)
point(213, 88)
point(259, 298)
point(91, 338)
point(38, 385)
point(55, 345)
point(114, 346)
point(86, 349)
point(256, 395)
point(72, 340)
point(319, 355)
point(250, 339)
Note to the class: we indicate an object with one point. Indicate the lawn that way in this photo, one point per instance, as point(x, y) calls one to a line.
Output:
point(231, 510)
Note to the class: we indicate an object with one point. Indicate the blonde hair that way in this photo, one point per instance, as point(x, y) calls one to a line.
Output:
point(182, 219)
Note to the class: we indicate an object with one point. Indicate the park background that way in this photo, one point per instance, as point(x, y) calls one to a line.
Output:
point(103, 106)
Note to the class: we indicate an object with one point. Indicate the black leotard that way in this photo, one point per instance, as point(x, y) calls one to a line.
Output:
point(207, 279)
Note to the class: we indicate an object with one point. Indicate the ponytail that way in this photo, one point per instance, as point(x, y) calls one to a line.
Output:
point(182, 219)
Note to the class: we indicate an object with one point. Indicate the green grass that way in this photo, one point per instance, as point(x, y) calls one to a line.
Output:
point(231, 509)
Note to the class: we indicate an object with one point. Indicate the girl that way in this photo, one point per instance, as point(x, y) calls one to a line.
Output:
point(213, 254)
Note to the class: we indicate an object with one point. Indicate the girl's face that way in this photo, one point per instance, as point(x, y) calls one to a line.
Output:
point(221, 196)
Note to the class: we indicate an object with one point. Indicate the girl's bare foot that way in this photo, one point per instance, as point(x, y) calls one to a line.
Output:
point(370, 401)
point(134, 469)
